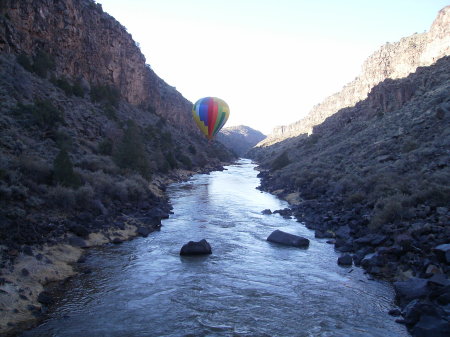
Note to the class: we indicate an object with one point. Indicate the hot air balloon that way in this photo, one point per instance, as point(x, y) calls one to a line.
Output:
point(210, 114)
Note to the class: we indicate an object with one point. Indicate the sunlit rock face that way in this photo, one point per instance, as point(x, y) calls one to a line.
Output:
point(393, 60)
point(89, 44)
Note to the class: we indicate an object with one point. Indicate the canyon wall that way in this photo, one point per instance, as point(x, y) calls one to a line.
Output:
point(393, 60)
point(88, 44)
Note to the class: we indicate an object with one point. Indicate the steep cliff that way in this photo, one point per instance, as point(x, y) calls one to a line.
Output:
point(89, 138)
point(240, 138)
point(89, 45)
point(393, 61)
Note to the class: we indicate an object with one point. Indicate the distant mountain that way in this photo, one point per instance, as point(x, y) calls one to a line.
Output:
point(240, 138)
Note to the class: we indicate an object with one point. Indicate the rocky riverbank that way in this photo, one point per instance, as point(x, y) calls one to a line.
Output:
point(28, 269)
point(414, 257)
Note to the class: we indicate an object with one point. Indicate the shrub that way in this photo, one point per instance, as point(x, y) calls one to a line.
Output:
point(62, 197)
point(186, 161)
point(94, 163)
point(165, 140)
point(132, 189)
point(192, 149)
point(387, 210)
point(25, 62)
point(355, 198)
point(46, 114)
point(109, 111)
point(63, 84)
point(103, 184)
point(170, 158)
point(22, 110)
point(36, 169)
point(151, 109)
point(43, 63)
point(77, 89)
point(63, 171)
point(130, 153)
point(105, 93)
point(84, 197)
point(63, 140)
point(105, 147)
point(281, 161)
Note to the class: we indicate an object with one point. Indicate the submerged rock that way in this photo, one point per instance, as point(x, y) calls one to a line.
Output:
point(201, 247)
point(288, 239)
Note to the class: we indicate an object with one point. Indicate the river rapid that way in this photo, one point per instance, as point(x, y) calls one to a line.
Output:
point(247, 287)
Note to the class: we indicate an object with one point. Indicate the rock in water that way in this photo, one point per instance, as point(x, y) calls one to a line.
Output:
point(201, 247)
point(288, 239)
point(345, 260)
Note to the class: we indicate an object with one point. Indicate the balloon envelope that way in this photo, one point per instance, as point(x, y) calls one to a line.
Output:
point(210, 114)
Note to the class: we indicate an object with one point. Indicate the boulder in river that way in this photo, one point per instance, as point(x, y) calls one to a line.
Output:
point(288, 239)
point(201, 247)
point(345, 260)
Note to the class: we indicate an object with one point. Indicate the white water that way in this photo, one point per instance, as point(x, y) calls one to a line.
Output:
point(247, 287)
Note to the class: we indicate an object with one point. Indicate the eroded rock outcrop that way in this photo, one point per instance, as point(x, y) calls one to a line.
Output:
point(88, 44)
point(391, 61)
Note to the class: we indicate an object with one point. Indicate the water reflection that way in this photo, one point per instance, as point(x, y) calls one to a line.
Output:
point(247, 287)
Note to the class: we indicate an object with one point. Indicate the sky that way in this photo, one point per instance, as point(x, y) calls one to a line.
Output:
point(270, 60)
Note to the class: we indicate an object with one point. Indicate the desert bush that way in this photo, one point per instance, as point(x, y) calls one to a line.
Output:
point(105, 147)
point(150, 132)
point(312, 140)
point(105, 93)
point(170, 159)
point(192, 149)
point(61, 197)
point(24, 61)
point(46, 114)
point(409, 145)
point(84, 197)
point(281, 161)
point(388, 210)
point(109, 111)
point(63, 140)
point(64, 85)
point(319, 185)
point(63, 171)
point(101, 182)
point(94, 163)
point(130, 153)
point(43, 63)
point(165, 140)
point(43, 113)
point(221, 153)
point(355, 198)
point(186, 161)
point(132, 189)
point(431, 193)
point(36, 169)
point(77, 89)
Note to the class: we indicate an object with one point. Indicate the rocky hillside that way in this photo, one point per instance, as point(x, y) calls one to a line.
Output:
point(89, 47)
point(89, 137)
point(240, 138)
point(374, 178)
point(393, 60)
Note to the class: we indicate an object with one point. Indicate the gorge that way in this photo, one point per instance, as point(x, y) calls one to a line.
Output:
point(91, 139)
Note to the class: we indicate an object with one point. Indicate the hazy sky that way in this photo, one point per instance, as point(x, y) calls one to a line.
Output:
point(270, 60)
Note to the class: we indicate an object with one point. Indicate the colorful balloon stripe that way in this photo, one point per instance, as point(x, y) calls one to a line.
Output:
point(210, 115)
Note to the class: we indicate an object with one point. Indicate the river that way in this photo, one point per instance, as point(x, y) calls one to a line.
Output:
point(247, 287)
